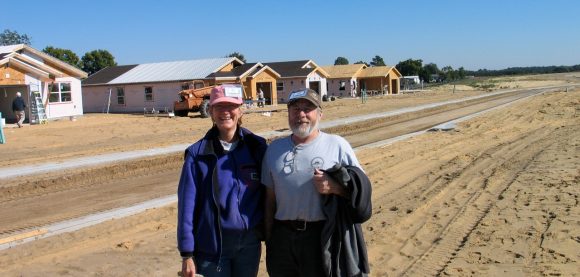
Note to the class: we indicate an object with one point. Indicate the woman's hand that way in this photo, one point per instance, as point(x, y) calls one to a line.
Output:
point(188, 267)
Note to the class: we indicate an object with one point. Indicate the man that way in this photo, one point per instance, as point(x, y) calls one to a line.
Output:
point(18, 107)
point(261, 99)
point(300, 226)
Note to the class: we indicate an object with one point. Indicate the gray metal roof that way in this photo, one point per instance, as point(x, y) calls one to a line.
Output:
point(171, 71)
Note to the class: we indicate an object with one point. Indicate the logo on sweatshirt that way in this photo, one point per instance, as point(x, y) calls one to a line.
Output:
point(317, 163)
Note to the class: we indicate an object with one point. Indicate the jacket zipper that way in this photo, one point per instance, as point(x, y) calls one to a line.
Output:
point(238, 187)
point(215, 201)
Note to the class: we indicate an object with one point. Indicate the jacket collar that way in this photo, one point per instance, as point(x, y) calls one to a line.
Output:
point(210, 139)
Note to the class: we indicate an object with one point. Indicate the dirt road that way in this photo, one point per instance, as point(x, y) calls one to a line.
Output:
point(499, 195)
point(28, 203)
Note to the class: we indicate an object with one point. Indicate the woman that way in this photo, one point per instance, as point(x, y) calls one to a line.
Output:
point(220, 197)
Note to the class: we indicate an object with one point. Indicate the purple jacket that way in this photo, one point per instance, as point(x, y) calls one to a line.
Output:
point(205, 209)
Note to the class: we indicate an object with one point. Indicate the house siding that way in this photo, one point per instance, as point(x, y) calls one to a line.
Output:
point(73, 108)
point(95, 98)
point(334, 86)
point(290, 85)
point(315, 77)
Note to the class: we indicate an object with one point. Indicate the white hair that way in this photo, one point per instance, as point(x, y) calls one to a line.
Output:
point(18, 94)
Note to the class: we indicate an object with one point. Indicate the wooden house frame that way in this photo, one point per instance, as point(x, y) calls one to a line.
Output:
point(350, 79)
point(31, 72)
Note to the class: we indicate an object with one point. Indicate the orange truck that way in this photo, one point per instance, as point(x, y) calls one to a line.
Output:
point(193, 100)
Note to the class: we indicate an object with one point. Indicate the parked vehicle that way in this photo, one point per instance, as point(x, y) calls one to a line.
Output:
point(193, 100)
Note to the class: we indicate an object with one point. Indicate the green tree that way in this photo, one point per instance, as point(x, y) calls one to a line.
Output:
point(12, 37)
point(340, 61)
point(238, 55)
point(377, 61)
point(361, 62)
point(448, 73)
point(461, 73)
point(429, 70)
point(64, 55)
point(410, 67)
point(96, 60)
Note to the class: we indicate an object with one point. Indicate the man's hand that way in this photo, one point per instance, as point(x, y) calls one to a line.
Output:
point(326, 185)
point(188, 268)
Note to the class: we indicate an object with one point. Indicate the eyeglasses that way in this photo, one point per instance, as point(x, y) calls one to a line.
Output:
point(305, 109)
point(289, 161)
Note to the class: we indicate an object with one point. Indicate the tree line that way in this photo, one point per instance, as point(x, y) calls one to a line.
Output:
point(526, 70)
point(90, 62)
point(428, 73)
point(431, 73)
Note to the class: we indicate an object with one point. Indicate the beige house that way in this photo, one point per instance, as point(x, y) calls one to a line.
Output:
point(384, 79)
point(348, 80)
point(254, 77)
point(296, 75)
point(343, 79)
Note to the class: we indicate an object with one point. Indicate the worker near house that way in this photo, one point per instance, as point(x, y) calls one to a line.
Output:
point(316, 197)
point(220, 196)
point(261, 99)
point(18, 107)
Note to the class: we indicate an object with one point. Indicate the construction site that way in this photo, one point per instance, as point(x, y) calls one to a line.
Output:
point(465, 182)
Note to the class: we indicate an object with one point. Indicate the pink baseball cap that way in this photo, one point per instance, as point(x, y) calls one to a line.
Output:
point(226, 93)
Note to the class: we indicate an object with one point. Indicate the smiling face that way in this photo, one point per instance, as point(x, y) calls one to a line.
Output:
point(303, 118)
point(226, 116)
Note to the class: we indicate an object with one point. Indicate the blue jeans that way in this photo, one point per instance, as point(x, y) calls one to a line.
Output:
point(240, 257)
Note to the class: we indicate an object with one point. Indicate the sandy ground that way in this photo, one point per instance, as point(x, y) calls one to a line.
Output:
point(497, 196)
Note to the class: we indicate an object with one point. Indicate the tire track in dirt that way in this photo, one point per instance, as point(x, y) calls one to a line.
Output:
point(465, 221)
point(377, 129)
point(24, 203)
point(542, 212)
point(36, 186)
point(470, 190)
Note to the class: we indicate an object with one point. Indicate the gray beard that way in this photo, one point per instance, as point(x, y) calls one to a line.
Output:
point(304, 132)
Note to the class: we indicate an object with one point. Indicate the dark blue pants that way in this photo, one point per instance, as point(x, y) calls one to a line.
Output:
point(240, 257)
point(294, 253)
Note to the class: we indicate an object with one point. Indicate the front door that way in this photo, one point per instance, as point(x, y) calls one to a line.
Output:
point(315, 86)
point(266, 87)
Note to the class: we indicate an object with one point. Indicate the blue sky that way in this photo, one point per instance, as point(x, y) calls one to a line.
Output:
point(474, 34)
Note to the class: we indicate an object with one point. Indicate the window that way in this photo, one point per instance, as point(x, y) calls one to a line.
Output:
point(197, 85)
point(121, 96)
point(342, 85)
point(148, 93)
point(60, 92)
point(280, 86)
point(184, 86)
